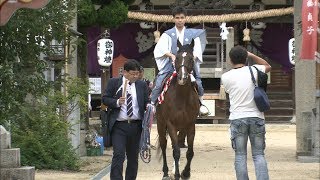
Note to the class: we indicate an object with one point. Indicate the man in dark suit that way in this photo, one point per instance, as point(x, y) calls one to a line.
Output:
point(126, 98)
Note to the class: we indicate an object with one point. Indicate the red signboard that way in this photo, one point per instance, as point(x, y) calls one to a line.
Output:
point(309, 29)
point(8, 7)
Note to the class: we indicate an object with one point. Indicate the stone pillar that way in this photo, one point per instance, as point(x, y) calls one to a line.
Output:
point(229, 45)
point(10, 167)
point(72, 69)
point(305, 74)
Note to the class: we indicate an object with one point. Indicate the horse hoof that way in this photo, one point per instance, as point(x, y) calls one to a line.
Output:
point(183, 146)
point(185, 175)
point(166, 178)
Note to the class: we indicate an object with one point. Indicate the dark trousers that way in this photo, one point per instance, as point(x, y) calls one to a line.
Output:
point(125, 139)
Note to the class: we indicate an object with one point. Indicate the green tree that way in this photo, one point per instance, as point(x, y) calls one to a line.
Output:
point(110, 14)
point(29, 103)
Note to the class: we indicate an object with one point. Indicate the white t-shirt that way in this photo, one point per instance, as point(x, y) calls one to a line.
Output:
point(239, 86)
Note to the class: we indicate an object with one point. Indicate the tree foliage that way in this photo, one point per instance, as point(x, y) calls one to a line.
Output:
point(87, 15)
point(110, 14)
point(29, 103)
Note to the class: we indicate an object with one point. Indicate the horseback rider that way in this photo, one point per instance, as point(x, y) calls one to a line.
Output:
point(166, 49)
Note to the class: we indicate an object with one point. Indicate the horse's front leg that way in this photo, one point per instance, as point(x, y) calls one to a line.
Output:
point(176, 156)
point(176, 152)
point(165, 168)
point(190, 139)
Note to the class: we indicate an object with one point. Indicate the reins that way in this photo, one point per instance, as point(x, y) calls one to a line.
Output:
point(145, 148)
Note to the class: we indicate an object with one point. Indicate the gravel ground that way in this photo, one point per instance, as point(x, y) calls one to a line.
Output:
point(213, 158)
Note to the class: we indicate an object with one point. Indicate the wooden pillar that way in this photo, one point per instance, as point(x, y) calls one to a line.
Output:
point(105, 74)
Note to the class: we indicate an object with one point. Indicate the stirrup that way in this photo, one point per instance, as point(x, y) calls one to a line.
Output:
point(204, 112)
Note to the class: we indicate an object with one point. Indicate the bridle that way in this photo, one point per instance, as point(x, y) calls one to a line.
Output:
point(189, 69)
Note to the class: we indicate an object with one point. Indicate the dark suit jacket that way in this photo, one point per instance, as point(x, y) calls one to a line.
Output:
point(110, 98)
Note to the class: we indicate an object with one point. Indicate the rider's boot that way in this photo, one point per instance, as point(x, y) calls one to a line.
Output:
point(204, 111)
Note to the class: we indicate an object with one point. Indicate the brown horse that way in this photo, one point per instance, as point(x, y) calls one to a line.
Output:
point(179, 111)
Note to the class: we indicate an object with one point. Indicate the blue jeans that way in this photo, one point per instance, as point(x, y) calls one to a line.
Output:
point(254, 128)
point(196, 74)
point(168, 69)
point(156, 91)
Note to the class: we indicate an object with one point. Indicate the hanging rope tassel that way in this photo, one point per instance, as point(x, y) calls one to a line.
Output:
point(156, 34)
point(222, 93)
point(246, 33)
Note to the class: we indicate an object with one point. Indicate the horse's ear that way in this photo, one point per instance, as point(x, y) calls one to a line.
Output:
point(179, 45)
point(192, 43)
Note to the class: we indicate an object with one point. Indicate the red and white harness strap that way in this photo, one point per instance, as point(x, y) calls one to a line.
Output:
point(166, 87)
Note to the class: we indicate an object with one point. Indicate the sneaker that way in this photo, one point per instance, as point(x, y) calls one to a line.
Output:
point(204, 111)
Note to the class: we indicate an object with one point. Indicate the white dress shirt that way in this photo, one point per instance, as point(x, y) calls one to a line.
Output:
point(123, 111)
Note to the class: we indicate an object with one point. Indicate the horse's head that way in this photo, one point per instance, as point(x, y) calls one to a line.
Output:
point(184, 62)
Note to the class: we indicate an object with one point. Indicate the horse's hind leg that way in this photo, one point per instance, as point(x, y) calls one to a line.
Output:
point(190, 138)
point(181, 138)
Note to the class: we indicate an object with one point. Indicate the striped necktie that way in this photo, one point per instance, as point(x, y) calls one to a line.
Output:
point(129, 104)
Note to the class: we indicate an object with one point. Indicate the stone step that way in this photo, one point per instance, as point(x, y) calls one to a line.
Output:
point(10, 158)
point(280, 95)
point(25, 173)
point(283, 111)
point(281, 103)
point(277, 119)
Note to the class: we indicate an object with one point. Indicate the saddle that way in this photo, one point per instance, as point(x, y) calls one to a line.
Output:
point(166, 84)
point(165, 80)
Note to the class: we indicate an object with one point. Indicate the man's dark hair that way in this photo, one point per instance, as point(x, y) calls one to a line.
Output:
point(131, 65)
point(238, 55)
point(179, 10)
point(141, 69)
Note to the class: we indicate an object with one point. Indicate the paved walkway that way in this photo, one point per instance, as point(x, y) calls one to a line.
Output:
point(214, 156)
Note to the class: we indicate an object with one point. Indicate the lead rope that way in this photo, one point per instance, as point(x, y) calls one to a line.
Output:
point(145, 147)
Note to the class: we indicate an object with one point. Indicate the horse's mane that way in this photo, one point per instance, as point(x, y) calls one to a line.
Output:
point(184, 48)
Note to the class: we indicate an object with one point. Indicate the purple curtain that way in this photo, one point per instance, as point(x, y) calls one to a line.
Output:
point(275, 44)
point(93, 35)
point(125, 43)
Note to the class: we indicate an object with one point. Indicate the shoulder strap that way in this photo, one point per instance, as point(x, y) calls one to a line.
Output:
point(252, 77)
point(256, 69)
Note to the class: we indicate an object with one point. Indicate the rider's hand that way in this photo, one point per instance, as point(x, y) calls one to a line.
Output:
point(173, 57)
